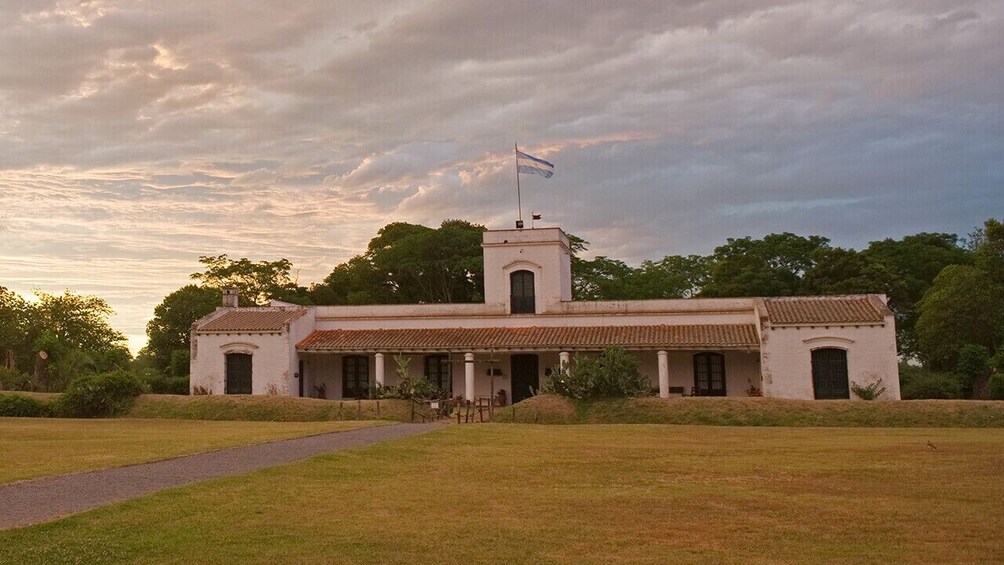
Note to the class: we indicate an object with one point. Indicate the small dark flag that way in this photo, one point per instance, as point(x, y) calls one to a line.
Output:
point(535, 216)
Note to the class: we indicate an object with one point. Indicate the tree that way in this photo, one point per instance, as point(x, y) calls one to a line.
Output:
point(13, 319)
point(974, 368)
point(963, 306)
point(357, 281)
point(988, 249)
point(410, 263)
point(846, 271)
point(772, 266)
point(171, 327)
point(71, 329)
point(674, 276)
point(78, 322)
point(915, 261)
point(256, 282)
point(601, 279)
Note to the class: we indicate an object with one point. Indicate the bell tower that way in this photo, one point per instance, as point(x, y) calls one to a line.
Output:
point(527, 271)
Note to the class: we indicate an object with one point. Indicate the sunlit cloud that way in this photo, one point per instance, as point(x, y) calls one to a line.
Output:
point(135, 137)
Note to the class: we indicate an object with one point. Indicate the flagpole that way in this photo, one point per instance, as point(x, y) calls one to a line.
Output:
point(519, 200)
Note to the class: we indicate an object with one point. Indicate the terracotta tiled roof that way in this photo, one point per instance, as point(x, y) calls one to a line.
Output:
point(249, 320)
point(561, 339)
point(822, 310)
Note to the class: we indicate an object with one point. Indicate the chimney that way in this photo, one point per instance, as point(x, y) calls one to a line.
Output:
point(230, 298)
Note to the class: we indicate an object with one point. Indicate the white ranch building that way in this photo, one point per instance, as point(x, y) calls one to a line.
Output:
point(792, 347)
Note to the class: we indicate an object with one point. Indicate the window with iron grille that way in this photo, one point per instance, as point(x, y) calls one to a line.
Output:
point(709, 374)
point(829, 374)
point(238, 373)
point(521, 293)
point(355, 376)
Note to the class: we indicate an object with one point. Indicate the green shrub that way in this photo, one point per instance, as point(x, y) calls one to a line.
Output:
point(168, 385)
point(12, 405)
point(102, 395)
point(158, 383)
point(997, 386)
point(929, 384)
point(11, 379)
point(870, 392)
point(612, 374)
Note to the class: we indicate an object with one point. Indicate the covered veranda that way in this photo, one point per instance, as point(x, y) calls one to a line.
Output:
point(718, 360)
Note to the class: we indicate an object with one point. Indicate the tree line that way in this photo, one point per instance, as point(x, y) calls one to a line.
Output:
point(946, 291)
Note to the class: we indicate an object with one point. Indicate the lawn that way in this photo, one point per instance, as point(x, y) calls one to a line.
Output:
point(35, 447)
point(552, 409)
point(502, 493)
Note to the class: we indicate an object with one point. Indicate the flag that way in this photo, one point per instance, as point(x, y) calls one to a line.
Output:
point(535, 216)
point(530, 165)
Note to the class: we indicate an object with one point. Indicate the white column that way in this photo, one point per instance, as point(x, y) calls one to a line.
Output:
point(663, 374)
point(468, 376)
point(379, 369)
point(565, 360)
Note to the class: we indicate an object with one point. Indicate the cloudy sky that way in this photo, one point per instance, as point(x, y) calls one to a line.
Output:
point(136, 136)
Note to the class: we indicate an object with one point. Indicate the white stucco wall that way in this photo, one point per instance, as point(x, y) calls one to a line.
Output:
point(786, 357)
point(269, 361)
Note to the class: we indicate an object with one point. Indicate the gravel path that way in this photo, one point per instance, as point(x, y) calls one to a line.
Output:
point(41, 500)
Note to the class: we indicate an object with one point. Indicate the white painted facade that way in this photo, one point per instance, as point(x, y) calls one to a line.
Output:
point(786, 355)
point(778, 360)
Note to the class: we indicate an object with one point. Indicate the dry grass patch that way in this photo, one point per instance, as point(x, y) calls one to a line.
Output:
point(36, 447)
point(575, 494)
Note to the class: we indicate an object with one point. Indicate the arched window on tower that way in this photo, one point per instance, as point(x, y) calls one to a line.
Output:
point(521, 294)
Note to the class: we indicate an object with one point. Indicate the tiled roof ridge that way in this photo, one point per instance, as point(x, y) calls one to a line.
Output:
point(575, 337)
point(252, 319)
point(826, 310)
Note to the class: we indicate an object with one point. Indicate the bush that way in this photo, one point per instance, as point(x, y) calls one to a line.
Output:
point(11, 379)
point(870, 392)
point(613, 374)
point(997, 386)
point(929, 384)
point(12, 405)
point(158, 383)
point(168, 385)
point(102, 395)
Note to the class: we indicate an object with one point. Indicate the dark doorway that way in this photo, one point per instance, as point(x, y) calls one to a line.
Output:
point(525, 378)
point(238, 374)
point(829, 374)
point(521, 293)
point(355, 376)
point(300, 383)
point(709, 374)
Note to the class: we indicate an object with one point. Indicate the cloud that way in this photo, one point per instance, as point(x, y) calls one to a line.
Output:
point(135, 137)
